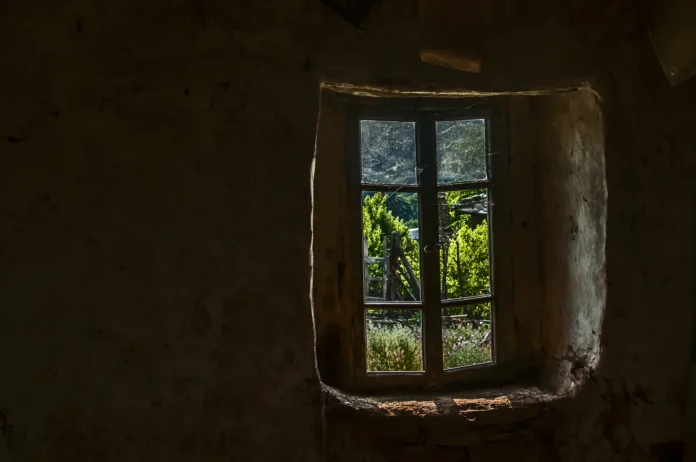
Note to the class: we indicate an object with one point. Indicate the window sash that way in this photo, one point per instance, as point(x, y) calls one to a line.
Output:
point(428, 189)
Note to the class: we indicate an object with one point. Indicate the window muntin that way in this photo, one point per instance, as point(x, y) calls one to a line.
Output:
point(428, 262)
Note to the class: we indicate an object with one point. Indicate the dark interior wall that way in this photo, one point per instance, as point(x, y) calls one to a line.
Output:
point(154, 285)
point(155, 206)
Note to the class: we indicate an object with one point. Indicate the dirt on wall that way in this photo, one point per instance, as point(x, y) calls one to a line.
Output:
point(154, 263)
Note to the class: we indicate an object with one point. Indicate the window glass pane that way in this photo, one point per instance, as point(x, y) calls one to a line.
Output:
point(464, 257)
point(466, 335)
point(394, 340)
point(391, 255)
point(388, 152)
point(461, 151)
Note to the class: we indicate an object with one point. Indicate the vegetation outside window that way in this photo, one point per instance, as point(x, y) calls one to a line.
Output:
point(425, 184)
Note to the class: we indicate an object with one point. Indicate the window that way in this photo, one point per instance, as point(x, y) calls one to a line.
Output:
point(539, 186)
point(424, 184)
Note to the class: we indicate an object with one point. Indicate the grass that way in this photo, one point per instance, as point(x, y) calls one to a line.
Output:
point(462, 346)
point(393, 349)
point(399, 348)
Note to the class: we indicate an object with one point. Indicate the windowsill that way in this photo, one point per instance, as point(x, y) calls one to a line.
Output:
point(523, 413)
point(501, 404)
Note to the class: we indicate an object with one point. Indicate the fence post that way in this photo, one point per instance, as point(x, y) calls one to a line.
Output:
point(445, 255)
point(385, 267)
point(392, 262)
point(366, 271)
point(459, 271)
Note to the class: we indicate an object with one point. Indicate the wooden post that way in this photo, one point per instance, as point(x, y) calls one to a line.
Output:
point(385, 268)
point(459, 271)
point(409, 275)
point(392, 262)
point(445, 252)
point(366, 270)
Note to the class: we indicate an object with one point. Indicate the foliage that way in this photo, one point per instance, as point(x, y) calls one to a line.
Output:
point(388, 157)
point(393, 349)
point(378, 222)
point(467, 248)
point(404, 206)
point(467, 265)
point(399, 348)
point(462, 346)
point(468, 268)
point(410, 318)
point(453, 221)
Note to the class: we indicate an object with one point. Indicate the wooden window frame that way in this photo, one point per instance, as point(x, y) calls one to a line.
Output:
point(425, 112)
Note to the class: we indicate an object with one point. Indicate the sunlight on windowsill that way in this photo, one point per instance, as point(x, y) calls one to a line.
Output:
point(469, 405)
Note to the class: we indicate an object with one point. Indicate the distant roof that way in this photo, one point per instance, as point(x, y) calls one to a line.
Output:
point(474, 205)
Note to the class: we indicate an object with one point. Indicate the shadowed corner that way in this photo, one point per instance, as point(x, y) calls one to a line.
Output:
point(352, 11)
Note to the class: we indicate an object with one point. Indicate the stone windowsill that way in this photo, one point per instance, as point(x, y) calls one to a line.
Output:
point(486, 416)
point(521, 401)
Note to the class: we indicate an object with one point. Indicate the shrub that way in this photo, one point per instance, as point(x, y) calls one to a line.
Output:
point(393, 349)
point(400, 349)
point(462, 346)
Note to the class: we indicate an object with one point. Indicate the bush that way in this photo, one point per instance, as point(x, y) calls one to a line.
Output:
point(400, 349)
point(462, 346)
point(393, 349)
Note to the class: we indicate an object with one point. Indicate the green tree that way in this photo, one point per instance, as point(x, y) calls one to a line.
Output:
point(470, 275)
point(467, 250)
point(379, 222)
point(389, 157)
point(404, 206)
point(468, 268)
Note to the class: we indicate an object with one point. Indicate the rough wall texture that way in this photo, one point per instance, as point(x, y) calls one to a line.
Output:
point(154, 262)
point(154, 286)
point(558, 148)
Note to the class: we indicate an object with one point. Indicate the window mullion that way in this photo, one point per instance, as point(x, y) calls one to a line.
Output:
point(427, 163)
